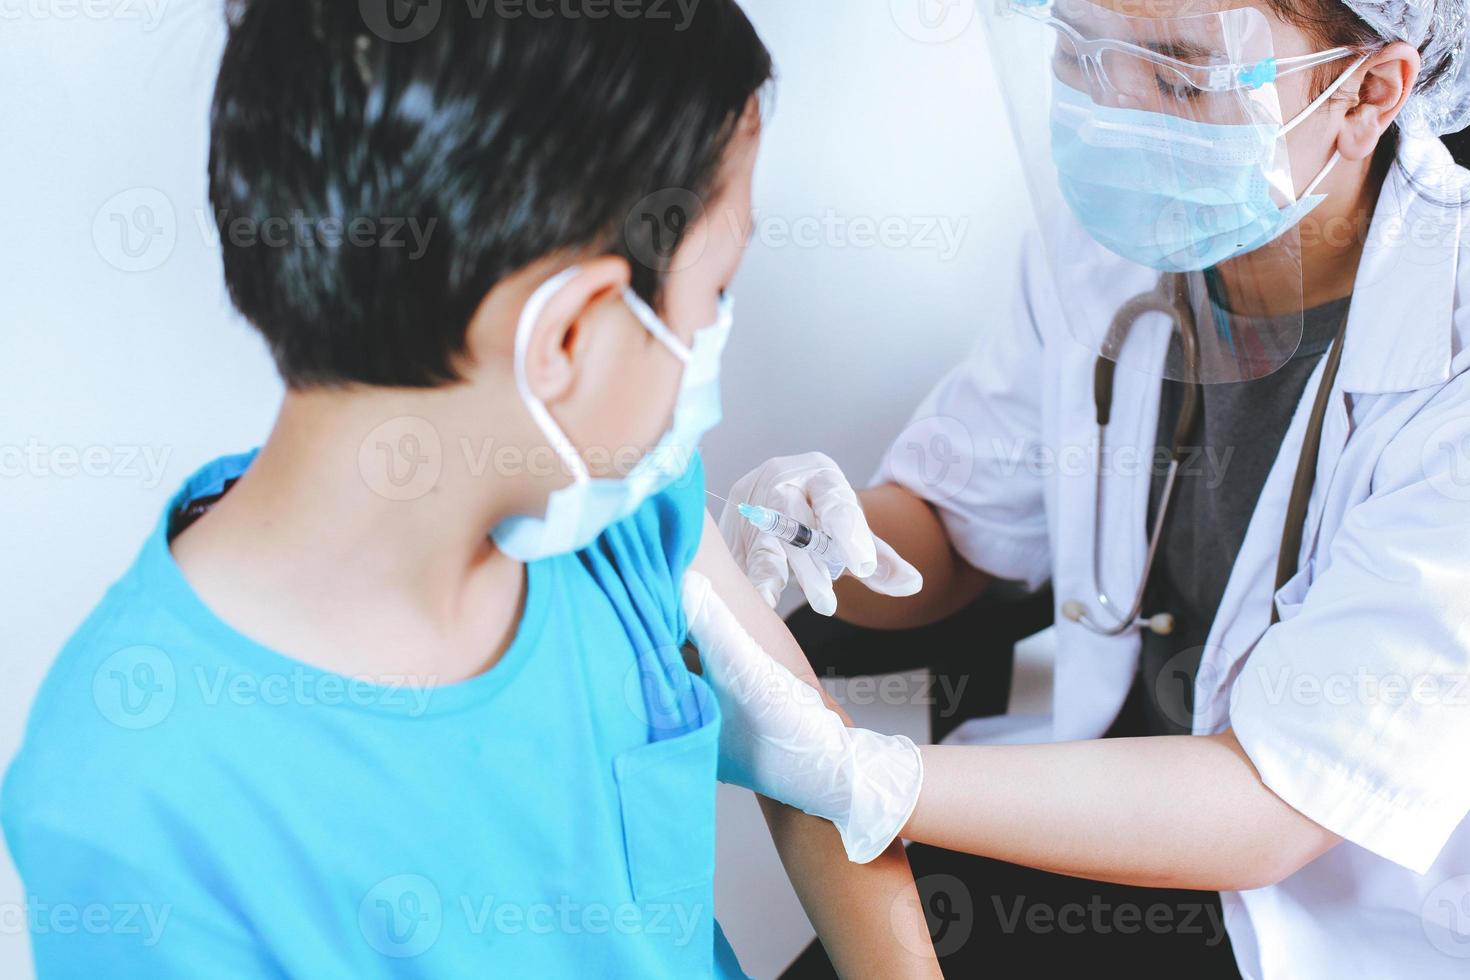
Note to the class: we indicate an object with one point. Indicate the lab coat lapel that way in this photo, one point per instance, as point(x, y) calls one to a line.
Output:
point(1400, 336)
point(1398, 339)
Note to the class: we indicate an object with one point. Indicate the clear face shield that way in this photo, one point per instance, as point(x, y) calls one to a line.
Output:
point(1154, 142)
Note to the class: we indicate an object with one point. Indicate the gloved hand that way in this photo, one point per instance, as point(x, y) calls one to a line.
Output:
point(812, 490)
point(779, 738)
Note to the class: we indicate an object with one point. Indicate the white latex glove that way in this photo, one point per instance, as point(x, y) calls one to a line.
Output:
point(812, 490)
point(780, 739)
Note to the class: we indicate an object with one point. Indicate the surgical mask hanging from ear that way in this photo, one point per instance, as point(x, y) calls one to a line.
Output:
point(1173, 193)
point(577, 514)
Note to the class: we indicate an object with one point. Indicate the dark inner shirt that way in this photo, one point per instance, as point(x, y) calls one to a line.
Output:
point(1236, 440)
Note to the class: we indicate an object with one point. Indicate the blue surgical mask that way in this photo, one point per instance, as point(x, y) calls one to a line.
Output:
point(1173, 193)
point(577, 514)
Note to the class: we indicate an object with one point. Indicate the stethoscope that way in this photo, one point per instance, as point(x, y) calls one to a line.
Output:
point(1170, 297)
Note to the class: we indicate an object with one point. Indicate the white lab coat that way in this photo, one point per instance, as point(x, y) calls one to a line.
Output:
point(1355, 709)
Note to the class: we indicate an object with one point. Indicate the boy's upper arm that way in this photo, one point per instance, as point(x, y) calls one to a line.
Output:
point(856, 908)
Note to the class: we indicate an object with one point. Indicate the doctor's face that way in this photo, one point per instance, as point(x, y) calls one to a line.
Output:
point(1160, 56)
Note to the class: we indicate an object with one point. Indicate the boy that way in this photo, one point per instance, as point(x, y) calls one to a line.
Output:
point(401, 694)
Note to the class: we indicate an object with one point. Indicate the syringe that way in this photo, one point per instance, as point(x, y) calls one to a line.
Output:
point(796, 534)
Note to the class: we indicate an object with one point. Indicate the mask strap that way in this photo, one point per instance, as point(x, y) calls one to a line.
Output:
point(535, 306)
point(1326, 171)
point(1321, 100)
point(656, 326)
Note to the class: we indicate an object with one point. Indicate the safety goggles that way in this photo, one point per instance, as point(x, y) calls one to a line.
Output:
point(1166, 60)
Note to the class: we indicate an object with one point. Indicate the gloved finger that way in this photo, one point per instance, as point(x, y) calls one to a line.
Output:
point(838, 513)
point(758, 555)
point(814, 579)
point(743, 489)
point(713, 629)
point(766, 567)
point(791, 499)
point(738, 534)
point(735, 664)
point(893, 576)
point(695, 597)
point(790, 469)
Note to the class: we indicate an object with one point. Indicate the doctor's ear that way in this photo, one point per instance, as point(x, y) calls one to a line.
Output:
point(1388, 80)
point(562, 333)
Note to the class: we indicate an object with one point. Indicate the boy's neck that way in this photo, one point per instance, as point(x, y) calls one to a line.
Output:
point(364, 510)
point(387, 479)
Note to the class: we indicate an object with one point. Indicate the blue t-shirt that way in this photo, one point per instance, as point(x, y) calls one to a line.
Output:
point(190, 803)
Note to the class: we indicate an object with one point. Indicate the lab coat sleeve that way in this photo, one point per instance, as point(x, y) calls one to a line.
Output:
point(970, 448)
point(1356, 708)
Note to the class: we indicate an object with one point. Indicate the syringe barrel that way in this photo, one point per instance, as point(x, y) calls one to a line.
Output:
point(804, 538)
point(821, 546)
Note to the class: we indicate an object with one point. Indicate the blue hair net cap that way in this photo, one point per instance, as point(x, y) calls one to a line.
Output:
point(1440, 29)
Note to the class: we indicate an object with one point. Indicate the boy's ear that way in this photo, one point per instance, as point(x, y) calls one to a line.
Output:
point(1388, 81)
point(560, 337)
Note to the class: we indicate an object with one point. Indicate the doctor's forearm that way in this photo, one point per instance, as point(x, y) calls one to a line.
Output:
point(1178, 812)
point(914, 530)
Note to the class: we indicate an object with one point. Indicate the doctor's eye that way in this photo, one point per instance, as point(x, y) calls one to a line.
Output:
point(1066, 62)
point(1173, 86)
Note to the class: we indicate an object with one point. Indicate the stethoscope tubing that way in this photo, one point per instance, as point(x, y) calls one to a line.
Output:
point(1169, 297)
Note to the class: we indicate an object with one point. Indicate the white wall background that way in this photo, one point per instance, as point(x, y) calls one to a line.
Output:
point(890, 207)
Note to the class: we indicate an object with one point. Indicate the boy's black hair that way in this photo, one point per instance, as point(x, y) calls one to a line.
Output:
point(373, 177)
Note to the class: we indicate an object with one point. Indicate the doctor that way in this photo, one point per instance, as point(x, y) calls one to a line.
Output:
point(1228, 418)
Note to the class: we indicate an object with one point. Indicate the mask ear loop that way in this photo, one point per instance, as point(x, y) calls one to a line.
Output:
point(655, 325)
point(1322, 99)
point(535, 306)
point(1306, 113)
